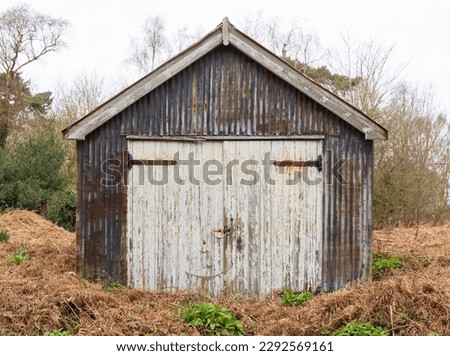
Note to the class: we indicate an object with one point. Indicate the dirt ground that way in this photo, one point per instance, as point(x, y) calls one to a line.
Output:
point(45, 293)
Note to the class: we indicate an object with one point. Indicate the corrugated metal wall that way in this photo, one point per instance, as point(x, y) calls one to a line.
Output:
point(226, 93)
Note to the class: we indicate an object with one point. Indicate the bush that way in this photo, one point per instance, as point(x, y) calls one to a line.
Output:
point(31, 177)
point(4, 236)
point(384, 262)
point(19, 256)
point(213, 320)
point(32, 172)
point(361, 329)
point(61, 209)
point(291, 298)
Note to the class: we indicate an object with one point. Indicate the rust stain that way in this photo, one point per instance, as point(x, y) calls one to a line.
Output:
point(194, 96)
point(300, 164)
point(277, 127)
point(222, 230)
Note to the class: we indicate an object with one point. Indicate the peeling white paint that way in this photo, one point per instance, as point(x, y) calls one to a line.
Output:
point(324, 99)
point(231, 237)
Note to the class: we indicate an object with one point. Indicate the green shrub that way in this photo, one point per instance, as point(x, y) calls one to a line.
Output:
point(383, 262)
point(291, 298)
point(61, 209)
point(361, 329)
point(212, 319)
point(32, 178)
point(57, 332)
point(19, 256)
point(113, 287)
point(4, 236)
point(32, 172)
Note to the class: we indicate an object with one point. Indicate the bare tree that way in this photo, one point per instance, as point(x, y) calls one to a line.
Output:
point(25, 36)
point(371, 62)
point(413, 166)
point(181, 39)
point(74, 100)
point(301, 47)
point(157, 45)
point(153, 48)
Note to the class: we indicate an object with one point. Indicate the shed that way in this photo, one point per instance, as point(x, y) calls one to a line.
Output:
point(225, 170)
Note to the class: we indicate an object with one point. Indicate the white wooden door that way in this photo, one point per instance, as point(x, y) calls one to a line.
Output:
point(244, 217)
point(172, 244)
point(275, 240)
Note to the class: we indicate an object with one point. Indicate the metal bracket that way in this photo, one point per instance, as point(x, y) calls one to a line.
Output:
point(291, 163)
point(150, 162)
point(222, 230)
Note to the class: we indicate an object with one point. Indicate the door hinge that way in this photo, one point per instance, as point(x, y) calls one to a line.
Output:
point(150, 162)
point(222, 230)
point(291, 163)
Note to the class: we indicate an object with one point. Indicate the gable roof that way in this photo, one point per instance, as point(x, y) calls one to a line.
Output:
point(225, 34)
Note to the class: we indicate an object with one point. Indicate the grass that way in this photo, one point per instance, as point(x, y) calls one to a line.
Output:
point(113, 287)
point(384, 262)
point(4, 236)
point(57, 332)
point(212, 319)
point(53, 248)
point(20, 255)
point(361, 329)
point(290, 298)
point(425, 262)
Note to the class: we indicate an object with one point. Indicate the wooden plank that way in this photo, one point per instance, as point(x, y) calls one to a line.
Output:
point(167, 138)
point(225, 31)
point(225, 138)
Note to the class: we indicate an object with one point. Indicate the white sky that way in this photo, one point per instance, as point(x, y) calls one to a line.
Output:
point(101, 30)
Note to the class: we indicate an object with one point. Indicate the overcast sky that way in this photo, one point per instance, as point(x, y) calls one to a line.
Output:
point(101, 31)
